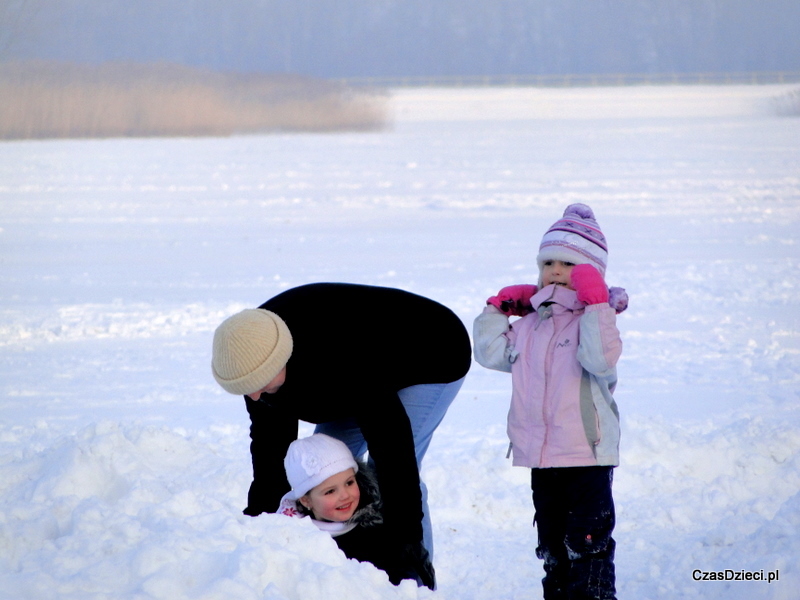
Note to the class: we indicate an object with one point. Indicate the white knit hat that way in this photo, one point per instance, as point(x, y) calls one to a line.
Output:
point(250, 349)
point(310, 461)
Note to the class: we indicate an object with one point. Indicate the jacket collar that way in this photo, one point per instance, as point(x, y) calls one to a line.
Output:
point(558, 295)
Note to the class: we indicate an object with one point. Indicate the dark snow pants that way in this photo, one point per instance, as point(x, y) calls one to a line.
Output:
point(574, 520)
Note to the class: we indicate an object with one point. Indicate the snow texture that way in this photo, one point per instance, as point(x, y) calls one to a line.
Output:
point(124, 468)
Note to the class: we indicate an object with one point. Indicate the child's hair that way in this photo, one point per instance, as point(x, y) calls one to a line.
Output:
point(310, 461)
point(575, 238)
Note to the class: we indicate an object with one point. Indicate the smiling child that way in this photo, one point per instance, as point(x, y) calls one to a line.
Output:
point(342, 498)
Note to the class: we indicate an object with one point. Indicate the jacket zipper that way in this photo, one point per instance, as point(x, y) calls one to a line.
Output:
point(545, 401)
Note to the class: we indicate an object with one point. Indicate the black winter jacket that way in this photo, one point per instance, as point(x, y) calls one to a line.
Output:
point(355, 346)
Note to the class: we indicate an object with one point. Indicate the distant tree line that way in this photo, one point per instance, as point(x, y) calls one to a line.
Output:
point(362, 38)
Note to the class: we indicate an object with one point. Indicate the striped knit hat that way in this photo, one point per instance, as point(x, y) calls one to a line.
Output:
point(575, 238)
point(250, 349)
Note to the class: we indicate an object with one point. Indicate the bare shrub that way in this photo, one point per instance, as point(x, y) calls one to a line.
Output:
point(59, 100)
point(788, 104)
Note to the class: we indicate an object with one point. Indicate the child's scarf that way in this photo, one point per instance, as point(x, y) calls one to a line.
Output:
point(290, 508)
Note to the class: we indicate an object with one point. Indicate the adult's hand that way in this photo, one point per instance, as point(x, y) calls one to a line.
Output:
point(412, 561)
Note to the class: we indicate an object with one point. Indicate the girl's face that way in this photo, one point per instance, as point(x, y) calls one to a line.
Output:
point(335, 499)
point(557, 272)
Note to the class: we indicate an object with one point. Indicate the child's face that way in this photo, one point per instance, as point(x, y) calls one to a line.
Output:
point(335, 499)
point(557, 272)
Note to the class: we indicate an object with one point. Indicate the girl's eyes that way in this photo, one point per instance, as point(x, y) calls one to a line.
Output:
point(550, 263)
point(347, 483)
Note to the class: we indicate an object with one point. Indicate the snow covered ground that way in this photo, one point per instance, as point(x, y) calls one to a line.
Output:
point(124, 468)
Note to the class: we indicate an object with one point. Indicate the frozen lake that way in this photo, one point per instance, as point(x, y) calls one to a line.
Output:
point(124, 468)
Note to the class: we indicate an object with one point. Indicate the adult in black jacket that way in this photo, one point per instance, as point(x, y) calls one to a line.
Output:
point(375, 367)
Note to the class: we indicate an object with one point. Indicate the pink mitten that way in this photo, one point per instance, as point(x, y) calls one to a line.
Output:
point(514, 300)
point(588, 284)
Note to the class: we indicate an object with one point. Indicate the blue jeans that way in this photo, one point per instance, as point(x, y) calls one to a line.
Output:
point(425, 406)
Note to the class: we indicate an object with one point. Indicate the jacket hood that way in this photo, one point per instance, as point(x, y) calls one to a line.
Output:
point(370, 509)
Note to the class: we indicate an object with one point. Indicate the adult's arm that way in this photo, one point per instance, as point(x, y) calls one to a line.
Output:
point(271, 432)
point(387, 431)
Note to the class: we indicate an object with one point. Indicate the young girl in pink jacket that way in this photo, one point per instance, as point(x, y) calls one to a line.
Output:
point(563, 422)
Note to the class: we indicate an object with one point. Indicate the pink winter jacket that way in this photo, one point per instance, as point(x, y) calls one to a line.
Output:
point(562, 358)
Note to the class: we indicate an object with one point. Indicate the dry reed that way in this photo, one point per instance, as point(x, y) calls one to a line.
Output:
point(56, 100)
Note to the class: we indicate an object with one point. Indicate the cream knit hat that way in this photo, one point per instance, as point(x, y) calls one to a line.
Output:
point(250, 349)
point(310, 461)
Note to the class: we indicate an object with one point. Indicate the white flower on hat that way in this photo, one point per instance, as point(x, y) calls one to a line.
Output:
point(311, 463)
